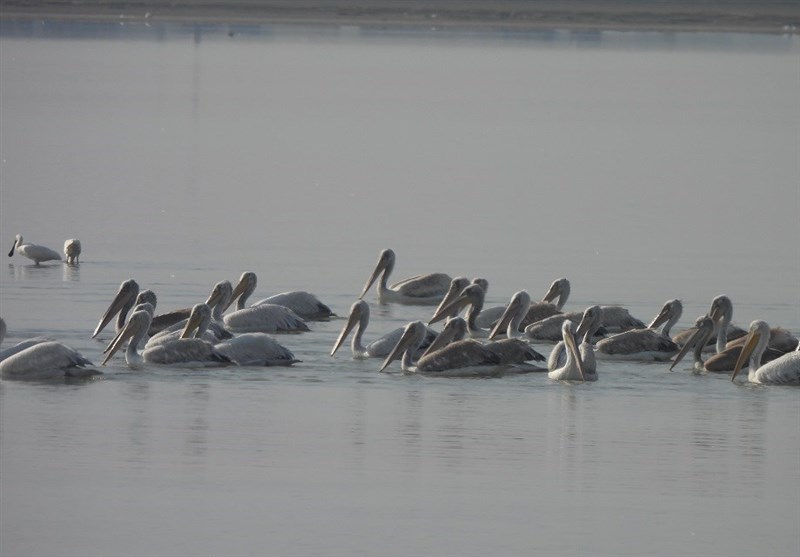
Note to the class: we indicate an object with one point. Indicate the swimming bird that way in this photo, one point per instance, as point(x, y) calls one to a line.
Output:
point(358, 319)
point(645, 344)
point(246, 349)
point(265, 318)
point(590, 322)
point(304, 304)
point(472, 296)
point(420, 289)
point(551, 304)
point(721, 312)
point(35, 253)
point(72, 250)
point(456, 286)
point(781, 371)
point(572, 370)
point(187, 352)
point(615, 319)
point(514, 313)
point(463, 357)
point(42, 359)
point(703, 331)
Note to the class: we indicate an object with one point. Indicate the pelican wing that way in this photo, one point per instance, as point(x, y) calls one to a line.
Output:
point(423, 286)
point(256, 349)
point(266, 318)
point(304, 304)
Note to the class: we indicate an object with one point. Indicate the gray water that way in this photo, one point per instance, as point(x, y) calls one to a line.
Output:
point(642, 166)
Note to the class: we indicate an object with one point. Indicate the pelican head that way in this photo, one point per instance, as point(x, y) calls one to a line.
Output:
point(409, 343)
point(591, 321)
point(560, 288)
point(755, 344)
point(704, 326)
point(385, 265)
point(198, 321)
point(456, 286)
point(482, 282)
point(245, 287)
point(122, 302)
point(669, 315)
point(721, 309)
point(135, 330)
point(572, 347)
point(220, 297)
point(471, 295)
point(513, 315)
point(359, 313)
point(455, 329)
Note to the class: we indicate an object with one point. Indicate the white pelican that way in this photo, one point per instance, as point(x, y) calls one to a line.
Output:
point(129, 295)
point(463, 357)
point(703, 330)
point(514, 313)
point(781, 371)
point(420, 289)
point(72, 250)
point(472, 296)
point(645, 344)
point(615, 318)
point(266, 318)
point(548, 306)
point(304, 304)
point(587, 329)
point(35, 253)
point(572, 370)
point(456, 286)
point(199, 319)
point(187, 352)
point(42, 359)
point(722, 313)
point(359, 319)
point(247, 349)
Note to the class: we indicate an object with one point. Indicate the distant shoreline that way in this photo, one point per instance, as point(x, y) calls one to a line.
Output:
point(768, 16)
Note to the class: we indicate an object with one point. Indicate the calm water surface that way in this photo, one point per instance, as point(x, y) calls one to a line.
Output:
point(643, 167)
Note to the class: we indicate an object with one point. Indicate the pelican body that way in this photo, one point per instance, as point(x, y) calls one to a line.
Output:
point(72, 251)
point(615, 318)
point(35, 253)
point(572, 370)
point(587, 328)
point(304, 304)
point(645, 344)
point(420, 289)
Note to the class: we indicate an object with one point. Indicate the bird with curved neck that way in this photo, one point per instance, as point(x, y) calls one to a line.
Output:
point(36, 253)
point(572, 370)
point(419, 289)
point(645, 344)
point(304, 304)
point(784, 370)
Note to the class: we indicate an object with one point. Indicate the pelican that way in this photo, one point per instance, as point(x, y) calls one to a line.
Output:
point(42, 359)
point(72, 250)
point(35, 253)
point(265, 318)
point(420, 289)
point(587, 329)
point(304, 304)
point(722, 313)
point(247, 349)
point(703, 330)
point(514, 313)
point(187, 352)
point(781, 371)
point(472, 296)
point(456, 286)
point(572, 370)
point(463, 357)
point(380, 348)
point(548, 306)
point(645, 344)
point(615, 318)
point(199, 319)
point(129, 295)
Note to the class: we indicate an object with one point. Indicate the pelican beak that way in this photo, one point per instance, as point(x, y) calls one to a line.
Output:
point(747, 349)
point(215, 296)
point(699, 336)
point(583, 326)
point(505, 319)
point(352, 320)
point(379, 268)
point(453, 307)
point(119, 340)
point(127, 292)
point(569, 340)
point(14, 245)
point(238, 291)
point(401, 346)
point(552, 293)
point(192, 324)
point(662, 317)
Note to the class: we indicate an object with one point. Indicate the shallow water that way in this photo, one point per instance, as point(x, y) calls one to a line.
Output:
point(641, 166)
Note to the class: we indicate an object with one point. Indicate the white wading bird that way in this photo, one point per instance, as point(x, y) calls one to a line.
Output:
point(35, 253)
point(72, 250)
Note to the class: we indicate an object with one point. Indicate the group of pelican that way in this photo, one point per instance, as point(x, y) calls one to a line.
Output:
point(207, 334)
point(40, 254)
